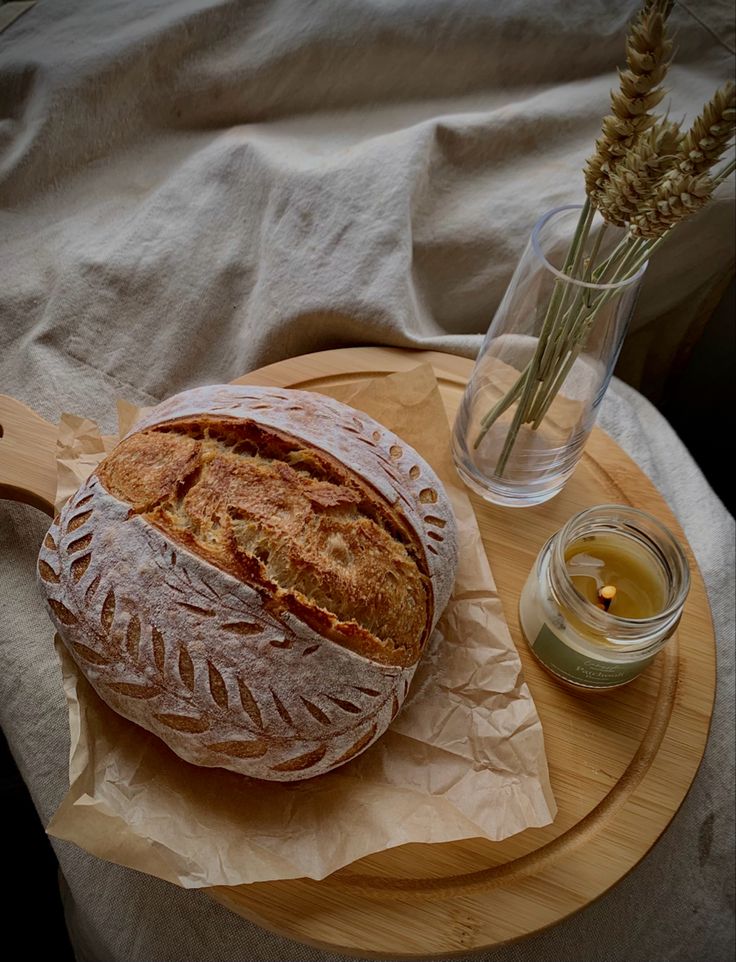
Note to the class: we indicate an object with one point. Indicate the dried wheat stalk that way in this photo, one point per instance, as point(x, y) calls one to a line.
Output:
point(676, 198)
point(645, 176)
point(633, 179)
point(709, 136)
point(687, 185)
point(648, 51)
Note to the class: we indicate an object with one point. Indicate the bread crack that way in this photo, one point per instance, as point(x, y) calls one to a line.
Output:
point(288, 519)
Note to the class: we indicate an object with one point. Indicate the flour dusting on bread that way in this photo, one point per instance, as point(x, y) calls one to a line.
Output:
point(252, 575)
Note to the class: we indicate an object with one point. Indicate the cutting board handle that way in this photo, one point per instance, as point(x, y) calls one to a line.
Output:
point(27, 456)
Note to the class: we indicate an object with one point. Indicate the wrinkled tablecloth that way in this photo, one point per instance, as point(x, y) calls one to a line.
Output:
point(193, 189)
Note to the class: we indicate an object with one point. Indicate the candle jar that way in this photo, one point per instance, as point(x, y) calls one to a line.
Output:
point(564, 607)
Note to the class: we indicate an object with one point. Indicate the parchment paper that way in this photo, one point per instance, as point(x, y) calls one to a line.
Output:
point(80, 448)
point(464, 758)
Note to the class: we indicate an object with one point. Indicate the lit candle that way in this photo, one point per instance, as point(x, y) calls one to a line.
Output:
point(615, 573)
point(605, 594)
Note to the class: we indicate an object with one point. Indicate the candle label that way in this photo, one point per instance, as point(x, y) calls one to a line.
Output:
point(580, 669)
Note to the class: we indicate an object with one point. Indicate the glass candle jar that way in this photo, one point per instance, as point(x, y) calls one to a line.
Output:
point(603, 597)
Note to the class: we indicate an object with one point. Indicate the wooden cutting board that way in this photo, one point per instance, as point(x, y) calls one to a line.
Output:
point(621, 763)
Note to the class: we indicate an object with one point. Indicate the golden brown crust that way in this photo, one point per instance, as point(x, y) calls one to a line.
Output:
point(200, 646)
point(287, 519)
point(151, 473)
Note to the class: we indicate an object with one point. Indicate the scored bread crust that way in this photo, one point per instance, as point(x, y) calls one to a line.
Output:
point(228, 670)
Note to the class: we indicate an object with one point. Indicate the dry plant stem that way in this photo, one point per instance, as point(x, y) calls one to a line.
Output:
point(575, 327)
point(726, 172)
point(577, 332)
point(576, 253)
point(562, 344)
point(645, 251)
point(576, 339)
point(594, 253)
point(569, 321)
point(526, 381)
point(644, 176)
point(506, 401)
point(531, 377)
point(639, 252)
point(612, 260)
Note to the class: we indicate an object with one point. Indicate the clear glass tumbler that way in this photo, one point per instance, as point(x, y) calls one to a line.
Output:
point(545, 363)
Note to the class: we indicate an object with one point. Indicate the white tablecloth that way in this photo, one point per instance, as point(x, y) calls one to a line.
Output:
point(192, 189)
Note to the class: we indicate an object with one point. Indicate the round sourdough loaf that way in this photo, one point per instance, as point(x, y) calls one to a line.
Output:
point(252, 575)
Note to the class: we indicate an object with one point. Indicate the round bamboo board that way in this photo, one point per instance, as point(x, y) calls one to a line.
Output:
point(621, 763)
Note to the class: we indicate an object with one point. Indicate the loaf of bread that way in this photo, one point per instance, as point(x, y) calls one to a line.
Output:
point(252, 575)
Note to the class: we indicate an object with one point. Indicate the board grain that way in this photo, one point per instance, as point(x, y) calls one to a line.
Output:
point(620, 763)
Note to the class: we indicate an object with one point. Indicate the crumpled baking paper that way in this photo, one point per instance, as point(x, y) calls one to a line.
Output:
point(463, 759)
point(80, 447)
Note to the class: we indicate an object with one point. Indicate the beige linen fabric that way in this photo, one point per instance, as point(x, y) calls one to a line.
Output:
point(194, 188)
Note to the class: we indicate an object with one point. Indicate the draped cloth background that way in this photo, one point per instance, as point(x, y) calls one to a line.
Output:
point(195, 188)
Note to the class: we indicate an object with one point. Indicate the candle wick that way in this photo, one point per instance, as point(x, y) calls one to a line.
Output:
point(606, 594)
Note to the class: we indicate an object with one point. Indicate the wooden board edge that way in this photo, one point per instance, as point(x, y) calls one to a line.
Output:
point(620, 473)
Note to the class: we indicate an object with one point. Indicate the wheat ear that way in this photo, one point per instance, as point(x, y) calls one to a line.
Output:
point(676, 198)
point(648, 51)
point(687, 185)
point(632, 180)
point(709, 136)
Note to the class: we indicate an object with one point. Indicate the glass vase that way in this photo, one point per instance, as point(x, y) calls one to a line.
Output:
point(547, 359)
